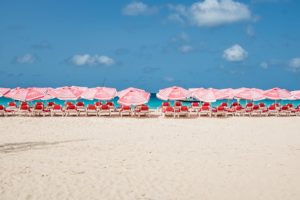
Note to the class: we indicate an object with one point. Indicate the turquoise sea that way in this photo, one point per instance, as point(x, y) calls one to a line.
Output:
point(154, 102)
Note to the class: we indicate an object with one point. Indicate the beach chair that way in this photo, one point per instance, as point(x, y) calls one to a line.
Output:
point(2, 110)
point(219, 111)
point(80, 106)
point(234, 104)
point(195, 106)
point(91, 110)
point(164, 105)
point(12, 107)
point(50, 105)
point(169, 111)
point(230, 111)
point(284, 111)
point(98, 105)
point(57, 110)
point(142, 110)
point(111, 105)
point(272, 110)
point(24, 110)
point(256, 111)
point(239, 111)
point(38, 110)
point(104, 110)
point(182, 111)
point(205, 110)
point(71, 110)
point(125, 110)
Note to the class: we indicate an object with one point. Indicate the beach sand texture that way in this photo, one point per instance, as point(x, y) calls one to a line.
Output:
point(150, 159)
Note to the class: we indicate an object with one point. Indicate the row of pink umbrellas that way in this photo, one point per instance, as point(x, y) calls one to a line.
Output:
point(212, 95)
point(135, 96)
point(129, 96)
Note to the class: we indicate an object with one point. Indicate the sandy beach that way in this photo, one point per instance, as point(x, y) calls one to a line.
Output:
point(151, 159)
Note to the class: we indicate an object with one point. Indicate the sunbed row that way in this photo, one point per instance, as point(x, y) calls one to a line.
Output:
point(235, 109)
point(70, 109)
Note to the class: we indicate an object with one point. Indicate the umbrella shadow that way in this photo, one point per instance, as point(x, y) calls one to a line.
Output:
point(26, 146)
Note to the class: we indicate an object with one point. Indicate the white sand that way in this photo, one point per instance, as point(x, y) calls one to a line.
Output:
point(153, 159)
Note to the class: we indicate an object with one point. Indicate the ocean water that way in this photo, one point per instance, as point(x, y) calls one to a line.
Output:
point(155, 102)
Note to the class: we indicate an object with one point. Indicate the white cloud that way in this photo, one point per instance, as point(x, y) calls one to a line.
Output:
point(264, 65)
point(235, 53)
point(294, 65)
point(213, 12)
point(138, 8)
point(86, 59)
point(26, 59)
point(185, 48)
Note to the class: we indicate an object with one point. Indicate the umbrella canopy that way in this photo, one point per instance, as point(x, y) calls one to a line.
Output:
point(250, 94)
point(100, 93)
point(227, 93)
point(173, 93)
point(133, 96)
point(208, 95)
point(3, 91)
point(68, 93)
point(278, 94)
point(49, 94)
point(296, 94)
point(26, 94)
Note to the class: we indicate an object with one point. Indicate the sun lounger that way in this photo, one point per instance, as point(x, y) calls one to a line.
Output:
point(24, 110)
point(125, 110)
point(272, 110)
point(104, 110)
point(256, 111)
point(284, 111)
point(239, 111)
point(205, 110)
point(91, 110)
point(57, 110)
point(169, 111)
point(219, 111)
point(38, 110)
point(142, 110)
point(182, 111)
point(80, 107)
point(2, 110)
point(71, 110)
point(195, 106)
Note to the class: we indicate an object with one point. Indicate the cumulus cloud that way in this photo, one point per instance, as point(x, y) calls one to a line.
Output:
point(185, 48)
point(26, 59)
point(89, 60)
point(138, 8)
point(211, 12)
point(294, 65)
point(235, 53)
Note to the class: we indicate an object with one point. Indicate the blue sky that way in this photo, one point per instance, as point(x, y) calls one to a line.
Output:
point(150, 44)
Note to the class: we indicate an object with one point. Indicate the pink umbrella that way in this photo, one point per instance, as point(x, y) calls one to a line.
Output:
point(173, 93)
point(133, 96)
point(250, 94)
point(100, 93)
point(227, 93)
point(68, 93)
point(278, 94)
point(296, 94)
point(26, 94)
point(3, 91)
point(209, 95)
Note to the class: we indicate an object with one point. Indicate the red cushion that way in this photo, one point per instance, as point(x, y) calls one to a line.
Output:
point(145, 108)
point(98, 103)
point(91, 107)
point(195, 104)
point(178, 103)
point(38, 107)
point(24, 107)
point(169, 109)
point(79, 104)
point(165, 104)
point(205, 108)
point(184, 108)
point(71, 107)
point(110, 103)
point(126, 108)
point(50, 103)
point(206, 104)
point(104, 107)
point(1, 107)
point(56, 107)
point(12, 104)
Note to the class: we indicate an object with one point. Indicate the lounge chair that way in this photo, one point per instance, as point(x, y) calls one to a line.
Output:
point(256, 111)
point(38, 110)
point(182, 111)
point(284, 111)
point(71, 110)
point(24, 110)
point(239, 111)
point(195, 106)
point(98, 105)
point(219, 111)
point(125, 110)
point(104, 110)
point(91, 110)
point(205, 110)
point(57, 110)
point(2, 110)
point(142, 110)
point(111, 105)
point(80, 106)
point(164, 105)
point(169, 111)
point(272, 110)
point(11, 108)
point(177, 105)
